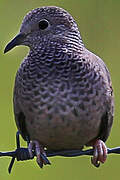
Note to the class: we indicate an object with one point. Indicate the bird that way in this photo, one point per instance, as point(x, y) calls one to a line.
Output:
point(63, 96)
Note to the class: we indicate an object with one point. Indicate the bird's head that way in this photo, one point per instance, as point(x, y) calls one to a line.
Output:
point(45, 24)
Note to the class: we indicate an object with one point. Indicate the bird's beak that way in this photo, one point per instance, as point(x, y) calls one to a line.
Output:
point(15, 42)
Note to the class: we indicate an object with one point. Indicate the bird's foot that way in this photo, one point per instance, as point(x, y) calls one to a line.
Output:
point(100, 153)
point(40, 153)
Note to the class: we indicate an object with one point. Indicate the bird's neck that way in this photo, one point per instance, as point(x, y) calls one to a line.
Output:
point(69, 43)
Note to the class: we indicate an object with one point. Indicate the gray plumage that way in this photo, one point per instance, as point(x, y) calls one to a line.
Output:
point(63, 96)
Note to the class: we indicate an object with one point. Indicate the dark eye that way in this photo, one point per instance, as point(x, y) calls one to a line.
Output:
point(43, 24)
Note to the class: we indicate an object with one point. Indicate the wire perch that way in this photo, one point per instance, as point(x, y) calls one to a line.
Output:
point(22, 154)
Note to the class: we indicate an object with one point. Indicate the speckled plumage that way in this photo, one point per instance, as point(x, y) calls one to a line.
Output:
point(63, 96)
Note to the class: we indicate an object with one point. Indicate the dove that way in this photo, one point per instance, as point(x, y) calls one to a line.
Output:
point(63, 97)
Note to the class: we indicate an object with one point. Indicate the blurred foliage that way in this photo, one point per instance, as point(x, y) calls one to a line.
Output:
point(100, 28)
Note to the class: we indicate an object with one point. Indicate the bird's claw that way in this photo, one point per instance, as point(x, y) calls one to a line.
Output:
point(40, 153)
point(25, 153)
point(99, 154)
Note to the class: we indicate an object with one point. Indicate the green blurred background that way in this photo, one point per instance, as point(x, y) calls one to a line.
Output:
point(99, 23)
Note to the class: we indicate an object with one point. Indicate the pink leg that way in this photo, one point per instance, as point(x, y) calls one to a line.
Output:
point(100, 153)
point(38, 150)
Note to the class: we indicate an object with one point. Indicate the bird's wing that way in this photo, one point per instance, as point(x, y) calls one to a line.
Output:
point(107, 117)
point(19, 115)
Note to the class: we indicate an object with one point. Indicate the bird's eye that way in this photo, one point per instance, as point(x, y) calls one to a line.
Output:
point(43, 24)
